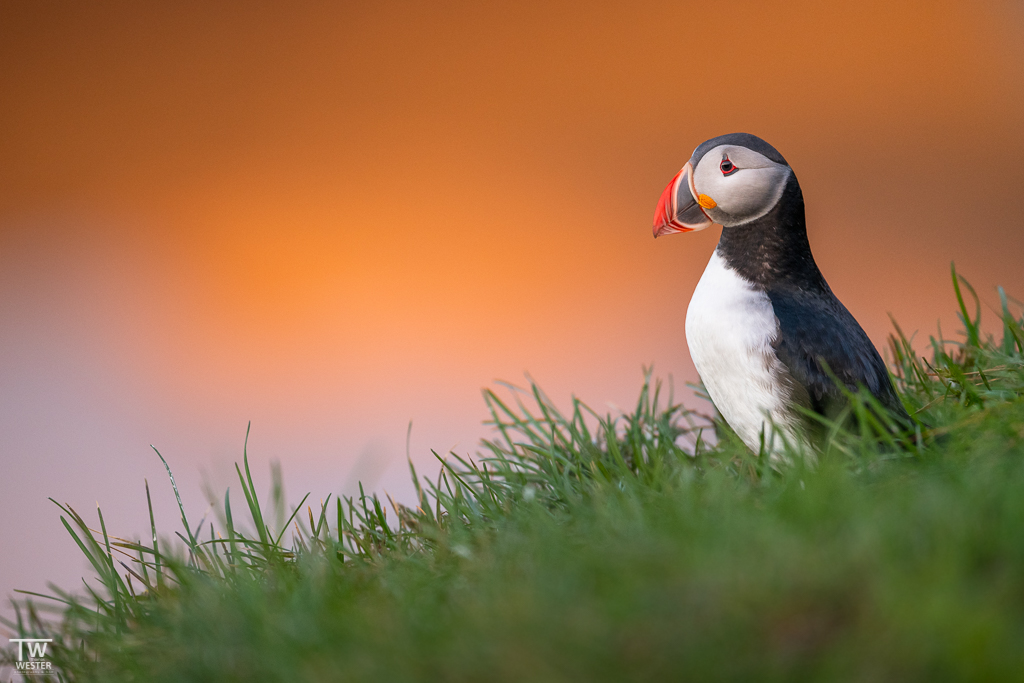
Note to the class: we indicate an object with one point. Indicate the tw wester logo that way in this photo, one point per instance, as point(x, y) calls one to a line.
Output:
point(35, 664)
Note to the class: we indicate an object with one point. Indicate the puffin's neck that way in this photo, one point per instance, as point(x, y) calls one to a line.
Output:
point(773, 250)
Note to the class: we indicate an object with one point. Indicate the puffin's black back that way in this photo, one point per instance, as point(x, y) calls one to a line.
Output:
point(818, 331)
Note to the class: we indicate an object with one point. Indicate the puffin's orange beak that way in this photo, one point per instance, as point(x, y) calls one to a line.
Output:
point(678, 209)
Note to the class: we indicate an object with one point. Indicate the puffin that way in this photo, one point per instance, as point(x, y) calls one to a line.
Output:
point(770, 341)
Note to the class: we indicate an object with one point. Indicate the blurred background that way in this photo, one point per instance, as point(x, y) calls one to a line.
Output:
point(331, 220)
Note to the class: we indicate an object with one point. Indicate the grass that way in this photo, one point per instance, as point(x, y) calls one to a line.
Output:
point(586, 547)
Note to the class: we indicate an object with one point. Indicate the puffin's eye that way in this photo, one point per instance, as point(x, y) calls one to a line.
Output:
point(728, 168)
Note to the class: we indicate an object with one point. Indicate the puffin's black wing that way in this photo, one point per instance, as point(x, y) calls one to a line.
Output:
point(815, 326)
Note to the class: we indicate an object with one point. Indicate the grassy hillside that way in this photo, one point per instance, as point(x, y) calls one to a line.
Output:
point(578, 547)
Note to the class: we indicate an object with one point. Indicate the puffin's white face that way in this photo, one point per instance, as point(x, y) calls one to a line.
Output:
point(735, 185)
point(731, 185)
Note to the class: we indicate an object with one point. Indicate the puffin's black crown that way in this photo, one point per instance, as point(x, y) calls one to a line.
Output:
point(741, 140)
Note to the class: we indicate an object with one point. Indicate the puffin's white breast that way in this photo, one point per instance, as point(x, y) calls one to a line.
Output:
point(730, 327)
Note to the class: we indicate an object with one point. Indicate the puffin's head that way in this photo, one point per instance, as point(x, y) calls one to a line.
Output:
point(730, 180)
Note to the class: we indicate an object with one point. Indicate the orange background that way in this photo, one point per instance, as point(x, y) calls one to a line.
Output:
point(332, 221)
